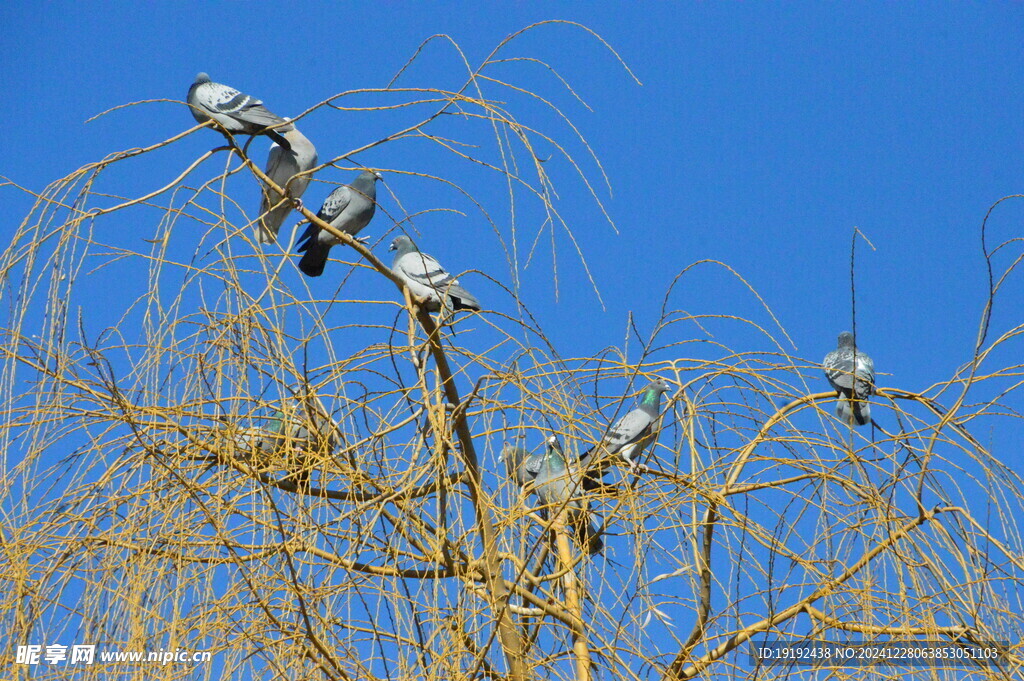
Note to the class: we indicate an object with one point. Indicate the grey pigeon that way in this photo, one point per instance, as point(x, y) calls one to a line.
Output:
point(348, 208)
point(236, 111)
point(521, 466)
point(554, 481)
point(293, 438)
point(427, 279)
point(249, 444)
point(283, 165)
point(852, 375)
point(556, 485)
point(632, 433)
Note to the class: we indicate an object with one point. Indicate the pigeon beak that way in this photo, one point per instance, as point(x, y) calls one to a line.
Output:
point(378, 176)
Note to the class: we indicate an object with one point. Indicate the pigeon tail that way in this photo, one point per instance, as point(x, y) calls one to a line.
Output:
point(315, 256)
point(270, 224)
point(280, 139)
point(461, 299)
point(853, 412)
point(861, 413)
point(593, 478)
point(313, 260)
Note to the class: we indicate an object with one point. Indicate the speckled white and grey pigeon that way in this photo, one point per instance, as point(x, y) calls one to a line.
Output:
point(348, 208)
point(632, 433)
point(427, 279)
point(236, 111)
point(548, 475)
point(291, 439)
point(852, 375)
point(282, 166)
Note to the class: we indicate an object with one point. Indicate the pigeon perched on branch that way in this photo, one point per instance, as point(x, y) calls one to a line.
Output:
point(521, 466)
point(236, 111)
point(852, 375)
point(556, 485)
point(294, 437)
point(348, 208)
point(427, 279)
point(285, 167)
point(549, 476)
point(632, 433)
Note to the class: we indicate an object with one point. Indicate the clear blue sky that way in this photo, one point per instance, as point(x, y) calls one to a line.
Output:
point(761, 135)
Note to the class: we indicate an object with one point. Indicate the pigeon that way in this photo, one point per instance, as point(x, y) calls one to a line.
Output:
point(348, 208)
point(550, 476)
point(556, 484)
point(237, 112)
point(289, 438)
point(852, 375)
point(283, 165)
point(427, 279)
point(284, 439)
point(522, 467)
point(632, 433)
point(249, 444)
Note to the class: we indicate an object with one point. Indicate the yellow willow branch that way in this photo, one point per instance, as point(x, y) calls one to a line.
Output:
point(836, 623)
point(677, 671)
point(573, 602)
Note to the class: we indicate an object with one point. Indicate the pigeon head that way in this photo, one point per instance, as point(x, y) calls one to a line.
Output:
point(402, 243)
point(659, 385)
point(846, 339)
point(202, 77)
point(654, 390)
point(507, 448)
point(366, 184)
point(555, 450)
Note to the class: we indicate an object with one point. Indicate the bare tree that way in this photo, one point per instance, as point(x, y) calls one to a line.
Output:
point(308, 486)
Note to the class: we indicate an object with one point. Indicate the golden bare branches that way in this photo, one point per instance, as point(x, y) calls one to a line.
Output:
point(148, 496)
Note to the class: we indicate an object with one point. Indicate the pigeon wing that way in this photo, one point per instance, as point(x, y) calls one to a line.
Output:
point(530, 467)
point(425, 270)
point(227, 104)
point(627, 430)
point(461, 298)
point(423, 275)
point(335, 203)
point(839, 369)
point(246, 109)
point(865, 376)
